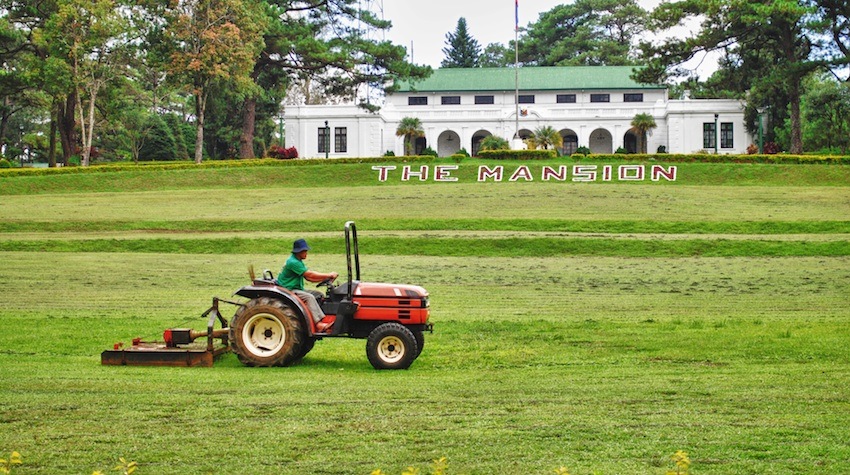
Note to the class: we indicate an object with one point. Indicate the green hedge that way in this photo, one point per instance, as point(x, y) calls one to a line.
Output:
point(517, 154)
point(487, 155)
point(212, 164)
point(710, 158)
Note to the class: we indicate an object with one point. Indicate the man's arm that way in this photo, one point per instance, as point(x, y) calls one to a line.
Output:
point(318, 276)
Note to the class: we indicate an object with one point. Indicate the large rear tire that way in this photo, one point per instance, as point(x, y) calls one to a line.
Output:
point(265, 332)
point(391, 346)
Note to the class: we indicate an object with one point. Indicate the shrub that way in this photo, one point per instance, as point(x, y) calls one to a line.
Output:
point(661, 149)
point(582, 151)
point(771, 148)
point(621, 151)
point(752, 149)
point(389, 153)
point(276, 151)
point(429, 152)
point(4, 163)
point(462, 152)
point(517, 154)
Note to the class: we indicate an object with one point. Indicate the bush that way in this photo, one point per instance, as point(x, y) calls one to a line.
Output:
point(661, 149)
point(389, 153)
point(621, 151)
point(4, 163)
point(582, 151)
point(517, 154)
point(278, 152)
point(771, 148)
point(462, 152)
point(429, 152)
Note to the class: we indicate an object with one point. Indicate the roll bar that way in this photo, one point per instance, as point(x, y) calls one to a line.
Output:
point(351, 237)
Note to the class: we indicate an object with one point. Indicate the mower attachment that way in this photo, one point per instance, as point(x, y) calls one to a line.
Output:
point(178, 347)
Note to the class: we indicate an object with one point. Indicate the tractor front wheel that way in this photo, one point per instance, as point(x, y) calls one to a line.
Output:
point(391, 346)
point(265, 332)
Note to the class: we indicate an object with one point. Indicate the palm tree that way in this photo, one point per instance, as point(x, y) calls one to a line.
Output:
point(642, 124)
point(410, 128)
point(492, 142)
point(545, 137)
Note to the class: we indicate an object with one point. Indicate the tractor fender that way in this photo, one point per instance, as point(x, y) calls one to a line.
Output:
point(279, 293)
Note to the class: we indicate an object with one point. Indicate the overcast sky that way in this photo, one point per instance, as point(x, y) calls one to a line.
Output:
point(425, 24)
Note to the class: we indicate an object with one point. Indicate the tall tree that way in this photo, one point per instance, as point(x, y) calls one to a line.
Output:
point(584, 33)
point(326, 45)
point(211, 41)
point(91, 36)
point(826, 108)
point(36, 69)
point(462, 50)
point(768, 45)
point(496, 55)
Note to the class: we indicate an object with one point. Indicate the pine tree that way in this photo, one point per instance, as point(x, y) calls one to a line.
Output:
point(462, 50)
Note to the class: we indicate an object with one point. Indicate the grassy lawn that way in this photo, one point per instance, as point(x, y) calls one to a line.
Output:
point(598, 327)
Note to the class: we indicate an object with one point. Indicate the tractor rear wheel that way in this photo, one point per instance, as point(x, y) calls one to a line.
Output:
point(391, 346)
point(265, 332)
point(306, 346)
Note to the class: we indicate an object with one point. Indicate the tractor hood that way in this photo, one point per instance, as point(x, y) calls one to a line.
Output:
point(406, 304)
point(395, 291)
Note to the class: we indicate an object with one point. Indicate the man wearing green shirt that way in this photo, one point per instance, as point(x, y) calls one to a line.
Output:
point(294, 273)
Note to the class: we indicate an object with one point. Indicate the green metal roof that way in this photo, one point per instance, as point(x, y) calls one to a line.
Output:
point(530, 79)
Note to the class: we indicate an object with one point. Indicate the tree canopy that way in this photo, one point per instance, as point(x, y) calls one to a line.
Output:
point(92, 70)
point(462, 50)
point(584, 33)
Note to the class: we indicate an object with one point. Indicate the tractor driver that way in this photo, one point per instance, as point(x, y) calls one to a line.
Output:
point(293, 274)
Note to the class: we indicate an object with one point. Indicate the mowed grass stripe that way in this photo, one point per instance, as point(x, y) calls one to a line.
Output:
point(526, 225)
point(459, 247)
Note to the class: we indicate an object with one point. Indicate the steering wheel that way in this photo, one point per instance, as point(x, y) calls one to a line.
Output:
point(326, 283)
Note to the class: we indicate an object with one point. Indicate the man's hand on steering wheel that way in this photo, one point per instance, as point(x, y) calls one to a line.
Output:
point(328, 281)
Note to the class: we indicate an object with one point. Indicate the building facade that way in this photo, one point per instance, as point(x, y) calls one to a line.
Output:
point(590, 106)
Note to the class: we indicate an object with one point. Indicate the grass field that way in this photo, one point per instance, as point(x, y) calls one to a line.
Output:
point(597, 327)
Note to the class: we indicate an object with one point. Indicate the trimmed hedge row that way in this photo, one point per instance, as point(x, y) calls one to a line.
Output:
point(708, 158)
point(211, 164)
point(517, 154)
point(487, 155)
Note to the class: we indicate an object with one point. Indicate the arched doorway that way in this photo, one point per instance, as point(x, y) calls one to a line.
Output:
point(477, 137)
point(601, 141)
point(419, 145)
point(570, 142)
point(448, 143)
point(630, 142)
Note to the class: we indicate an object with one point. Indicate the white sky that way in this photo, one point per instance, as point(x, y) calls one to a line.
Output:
point(426, 24)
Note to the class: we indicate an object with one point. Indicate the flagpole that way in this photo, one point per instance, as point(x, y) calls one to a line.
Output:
point(516, 69)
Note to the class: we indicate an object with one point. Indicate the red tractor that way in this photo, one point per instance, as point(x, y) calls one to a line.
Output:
point(275, 328)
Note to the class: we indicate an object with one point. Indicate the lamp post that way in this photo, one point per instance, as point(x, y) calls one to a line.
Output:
point(716, 133)
point(327, 139)
point(281, 140)
point(761, 130)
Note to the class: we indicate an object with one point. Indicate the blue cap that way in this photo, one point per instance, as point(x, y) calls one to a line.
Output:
point(300, 245)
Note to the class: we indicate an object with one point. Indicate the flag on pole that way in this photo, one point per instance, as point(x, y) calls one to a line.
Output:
point(516, 16)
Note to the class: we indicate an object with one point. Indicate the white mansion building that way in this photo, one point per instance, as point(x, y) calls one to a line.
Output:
point(590, 106)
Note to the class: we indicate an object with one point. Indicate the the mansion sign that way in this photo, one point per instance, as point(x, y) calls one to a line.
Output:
point(499, 173)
